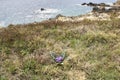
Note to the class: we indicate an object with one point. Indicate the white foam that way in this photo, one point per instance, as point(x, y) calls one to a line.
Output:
point(29, 16)
point(78, 4)
point(47, 11)
point(43, 16)
point(111, 4)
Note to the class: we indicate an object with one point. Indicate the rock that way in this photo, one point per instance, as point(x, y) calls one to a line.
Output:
point(95, 9)
point(59, 15)
point(89, 16)
point(117, 2)
point(99, 12)
point(84, 4)
point(91, 4)
point(42, 9)
point(102, 4)
point(114, 9)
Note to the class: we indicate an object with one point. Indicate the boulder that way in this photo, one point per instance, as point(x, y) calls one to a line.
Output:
point(42, 9)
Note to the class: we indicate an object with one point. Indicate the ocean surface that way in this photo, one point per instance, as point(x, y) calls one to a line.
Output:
point(27, 11)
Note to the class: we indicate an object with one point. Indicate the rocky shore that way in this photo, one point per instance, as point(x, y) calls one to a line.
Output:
point(89, 16)
point(100, 11)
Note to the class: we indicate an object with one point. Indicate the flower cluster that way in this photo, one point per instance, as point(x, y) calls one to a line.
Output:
point(58, 59)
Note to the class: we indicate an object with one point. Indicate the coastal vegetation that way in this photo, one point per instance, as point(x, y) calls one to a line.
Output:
point(92, 50)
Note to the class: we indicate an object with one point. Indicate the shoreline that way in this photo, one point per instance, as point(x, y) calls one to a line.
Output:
point(96, 14)
point(88, 16)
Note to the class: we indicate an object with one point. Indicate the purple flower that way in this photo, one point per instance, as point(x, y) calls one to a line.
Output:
point(59, 59)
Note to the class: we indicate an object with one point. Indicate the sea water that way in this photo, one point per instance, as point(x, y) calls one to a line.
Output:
point(27, 11)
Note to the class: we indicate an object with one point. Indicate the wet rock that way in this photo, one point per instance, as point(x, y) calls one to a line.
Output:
point(42, 9)
point(91, 4)
point(84, 4)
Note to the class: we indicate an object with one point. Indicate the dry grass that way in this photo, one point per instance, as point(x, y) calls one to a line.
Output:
point(92, 49)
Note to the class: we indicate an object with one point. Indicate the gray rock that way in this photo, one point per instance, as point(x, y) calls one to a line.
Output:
point(59, 15)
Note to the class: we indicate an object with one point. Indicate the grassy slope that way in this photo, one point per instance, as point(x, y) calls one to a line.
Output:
point(92, 49)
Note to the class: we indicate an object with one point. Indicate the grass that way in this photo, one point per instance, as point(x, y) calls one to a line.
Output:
point(92, 49)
